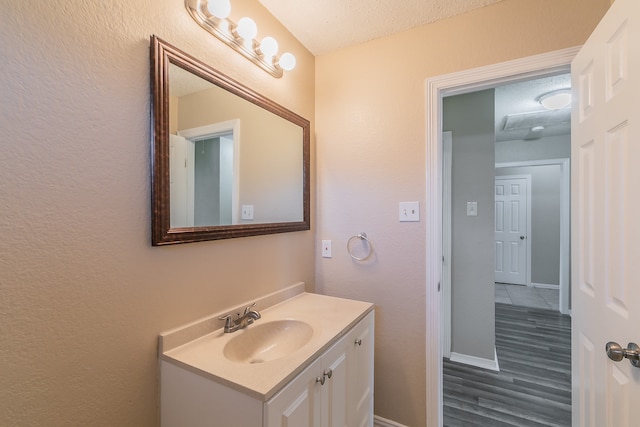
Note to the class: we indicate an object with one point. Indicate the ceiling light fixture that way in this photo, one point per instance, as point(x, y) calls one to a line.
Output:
point(212, 15)
point(556, 99)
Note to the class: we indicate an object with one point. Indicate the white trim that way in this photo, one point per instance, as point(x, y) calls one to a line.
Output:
point(447, 141)
point(528, 178)
point(436, 87)
point(478, 362)
point(545, 286)
point(383, 422)
point(565, 222)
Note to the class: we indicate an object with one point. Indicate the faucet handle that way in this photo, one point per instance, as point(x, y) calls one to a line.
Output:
point(249, 307)
point(227, 320)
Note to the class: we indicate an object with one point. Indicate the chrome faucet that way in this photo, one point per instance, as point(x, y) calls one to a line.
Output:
point(241, 322)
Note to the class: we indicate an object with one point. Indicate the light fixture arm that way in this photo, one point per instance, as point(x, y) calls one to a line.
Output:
point(225, 30)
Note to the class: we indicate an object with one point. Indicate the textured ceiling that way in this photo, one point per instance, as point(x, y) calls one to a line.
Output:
point(519, 101)
point(323, 26)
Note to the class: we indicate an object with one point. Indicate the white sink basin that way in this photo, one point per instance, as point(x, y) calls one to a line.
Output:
point(263, 342)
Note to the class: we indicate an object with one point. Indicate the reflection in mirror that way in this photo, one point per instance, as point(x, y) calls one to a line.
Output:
point(202, 186)
point(227, 162)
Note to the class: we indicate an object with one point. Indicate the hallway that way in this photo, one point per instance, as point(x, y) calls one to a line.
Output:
point(533, 387)
point(528, 296)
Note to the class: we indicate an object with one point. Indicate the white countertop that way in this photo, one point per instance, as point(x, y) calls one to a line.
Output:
point(330, 318)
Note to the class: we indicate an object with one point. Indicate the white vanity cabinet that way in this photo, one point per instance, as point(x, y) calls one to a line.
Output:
point(307, 362)
point(334, 391)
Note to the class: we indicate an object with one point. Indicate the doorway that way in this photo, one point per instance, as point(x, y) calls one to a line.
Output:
point(204, 178)
point(437, 88)
point(475, 389)
point(553, 178)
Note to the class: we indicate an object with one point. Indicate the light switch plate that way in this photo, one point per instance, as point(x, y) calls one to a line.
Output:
point(409, 211)
point(472, 208)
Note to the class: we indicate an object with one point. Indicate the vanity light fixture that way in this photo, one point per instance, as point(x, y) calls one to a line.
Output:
point(556, 99)
point(213, 16)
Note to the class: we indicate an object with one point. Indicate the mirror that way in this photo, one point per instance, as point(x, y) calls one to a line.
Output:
point(226, 161)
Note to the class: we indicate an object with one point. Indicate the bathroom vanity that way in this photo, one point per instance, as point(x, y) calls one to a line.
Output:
point(308, 361)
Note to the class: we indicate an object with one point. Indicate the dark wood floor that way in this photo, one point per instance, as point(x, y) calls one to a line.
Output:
point(533, 387)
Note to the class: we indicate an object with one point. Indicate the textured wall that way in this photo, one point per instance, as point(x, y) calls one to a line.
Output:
point(83, 295)
point(370, 107)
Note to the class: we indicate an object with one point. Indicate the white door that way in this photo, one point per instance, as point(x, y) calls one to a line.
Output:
point(605, 227)
point(511, 224)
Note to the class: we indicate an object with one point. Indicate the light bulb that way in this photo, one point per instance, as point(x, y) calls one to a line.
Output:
point(269, 46)
point(219, 8)
point(247, 28)
point(287, 61)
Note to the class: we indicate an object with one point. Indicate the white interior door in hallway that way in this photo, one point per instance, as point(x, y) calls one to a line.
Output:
point(605, 229)
point(512, 204)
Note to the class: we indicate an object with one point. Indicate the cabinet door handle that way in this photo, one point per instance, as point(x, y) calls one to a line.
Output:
point(320, 380)
point(358, 341)
point(328, 373)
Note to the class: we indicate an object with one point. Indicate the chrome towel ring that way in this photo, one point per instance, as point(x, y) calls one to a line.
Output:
point(362, 237)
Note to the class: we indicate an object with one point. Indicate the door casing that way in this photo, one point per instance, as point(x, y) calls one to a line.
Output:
point(436, 88)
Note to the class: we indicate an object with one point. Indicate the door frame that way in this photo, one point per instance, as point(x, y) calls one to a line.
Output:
point(447, 159)
point(565, 224)
point(436, 88)
point(529, 180)
point(216, 129)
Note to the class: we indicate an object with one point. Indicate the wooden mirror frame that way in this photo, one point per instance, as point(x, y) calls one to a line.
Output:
point(162, 55)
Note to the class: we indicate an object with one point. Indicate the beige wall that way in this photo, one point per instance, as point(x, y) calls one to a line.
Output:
point(370, 107)
point(83, 295)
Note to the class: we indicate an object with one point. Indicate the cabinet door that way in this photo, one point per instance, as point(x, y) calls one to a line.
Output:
point(334, 391)
point(360, 368)
point(336, 387)
point(298, 403)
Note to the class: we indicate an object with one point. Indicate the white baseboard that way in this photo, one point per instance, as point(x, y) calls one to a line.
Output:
point(478, 362)
point(383, 422)
point(545, 286)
